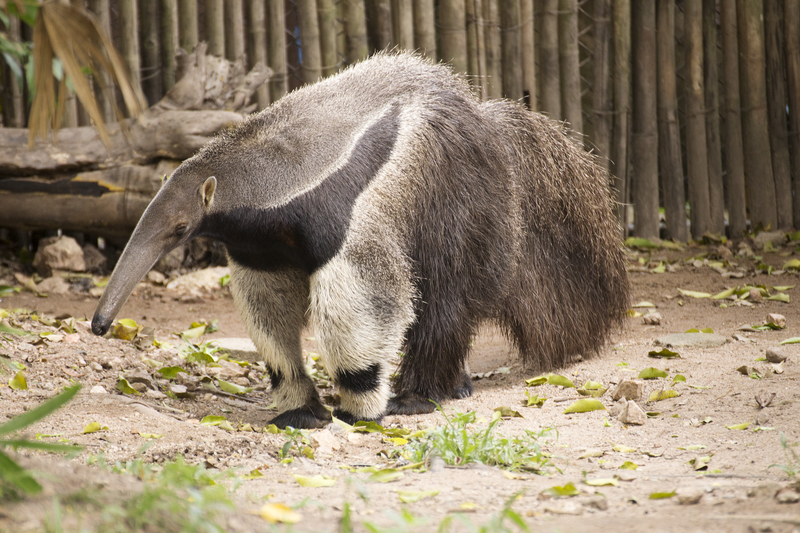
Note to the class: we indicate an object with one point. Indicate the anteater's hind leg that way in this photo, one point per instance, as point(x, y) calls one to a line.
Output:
point(434, 366)
point(273, 306)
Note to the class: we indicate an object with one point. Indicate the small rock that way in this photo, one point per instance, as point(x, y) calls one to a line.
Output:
point(617, 408)
point(58, 253)
point(325, 442)
point(241, 349)
point(96, 292)
point(155, 394)
point(632, 414)
point(98, 389)
point(97, 367)
point(767, 490)
point(777, 355)
point(53, 285)
point(139, 387)
point(724, 253)
point(200, 282)
point(755, 296)
point(787, 495)
point(630, 389)
point(93, 258)
point(778, 320)
point(652, 319)
point(745, 250)
point(171, 261)
point(596, 502)
point(227, 370)
point(179, 390)
point(773, 237)
point(436, 464)
point(137, 376)
point(692, 340)
point(762, 419)
point(689, 496)
point(156, 277)
point(567, 508)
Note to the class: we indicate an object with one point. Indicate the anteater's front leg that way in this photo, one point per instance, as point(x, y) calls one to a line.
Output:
point(273, 305)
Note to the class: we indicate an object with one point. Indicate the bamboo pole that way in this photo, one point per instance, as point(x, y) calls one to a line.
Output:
point(570, 64)
point(276, 50)
point(776, 108)
point(716, 191)
point(669, 136)
point(696, 151)
point(169, 42)
point(548, 61)
point(258, 45)
point(341, 34)
point(356, 29)
point(494, 82)
point(601, 90)
point(473, 68)
point(309, 40)
point(755, 128)
point(528, 54)
point(150, 55)
point(234, 31)
point(326, 11)
point(425, 28)
point(480, 46)
point(215, 27)
point(187, 24)
point(103, 88)
point(792, 25)
point(622, 106)
point(380, 27)
point(129, 38)
point(645, 118)
point(403, 23)
point(512, 48)
point(732, 132)
point(453, 34)
point(13, 110)
point(77, 114)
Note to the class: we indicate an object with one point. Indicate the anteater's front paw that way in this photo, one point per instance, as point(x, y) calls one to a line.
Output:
point(349, 418)
point(410, 403)
point(464, 388)
point(310, 416)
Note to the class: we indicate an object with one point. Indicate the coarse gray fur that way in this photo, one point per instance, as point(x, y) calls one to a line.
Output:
point(394, 211)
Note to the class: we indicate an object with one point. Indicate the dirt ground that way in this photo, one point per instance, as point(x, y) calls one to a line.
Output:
point(737, 490)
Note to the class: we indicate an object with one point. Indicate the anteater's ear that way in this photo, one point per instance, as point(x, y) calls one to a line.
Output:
point(208, 191)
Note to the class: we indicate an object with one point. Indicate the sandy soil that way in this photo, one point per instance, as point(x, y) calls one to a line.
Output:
point(735, 492)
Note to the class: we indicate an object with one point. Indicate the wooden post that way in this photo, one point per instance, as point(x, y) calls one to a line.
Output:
point(380, 28)
point(258, 46)
point(755, 127)
point(512, 49)
point(622, 106)
point(732, 132)
point(494, 82)
point(792, 25)
point(453, 34)
point(187, 25)
point(601, 90)
point(425, 28)
point(570, 64)
point(528, 54)
point(696, 152)
point(276, 50)
point(645, 119)
point(309, 40)
point(716, 192)
point(669, 136)
point(548, 61)
point(403, 23)
point(356, 29)
point(326, 11)
point(149, 27)
point(776, 108)
point(215, 27)
point(169, 43)
point(234, 31)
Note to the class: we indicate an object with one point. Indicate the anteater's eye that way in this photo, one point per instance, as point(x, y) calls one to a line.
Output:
point(181, 229)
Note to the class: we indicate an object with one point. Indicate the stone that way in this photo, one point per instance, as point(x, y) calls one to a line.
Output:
point(172, 261)
point(617, 407)
point(755, 296)
point(157, 278)
point(137, 376)
point(53, 285)
point(630, 389)
point(775, 318)
point(724, 253)
point(93, 258)
point(325, 442)
point(239, 348)
point(775, 238)
point(200, 282)
point(596, 502)
point(58, 253)
point(632, 414)
point(692, 340)
point(98, 389)
point(228, 370)
point(97, 367)
point(688, 496)
point(777, 355)
point(156, 395)
point(787, 495)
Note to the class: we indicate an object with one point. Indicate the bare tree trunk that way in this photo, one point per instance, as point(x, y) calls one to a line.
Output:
point(716, 192)
point(149, 52)
point(215, 27)
point(732, 139)
point(258, 35)
point(645, 119)
point(234, 31)
point(425, 28)
point(473, 60)
point(696, 152)
point(169, 43)
point(309, 40)
point(669, 137)
point(356, 29)
point(570, 69)
point(279, 83)
point(327, 31)
point(548, 61)
point(792, 23)
point(528, 54)
point(453, 34)
point(755, 127)
point(512, 51)
point(480, 46)
point(601, 93)
point(622, 106)
point(776, 107)
point(381, 27)
point(77, 114)
point(187, 24)
point(494, 81)
point(13, 110)
point(403, 23)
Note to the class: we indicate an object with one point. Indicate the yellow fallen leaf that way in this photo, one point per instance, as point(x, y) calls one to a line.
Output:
point(278, 512)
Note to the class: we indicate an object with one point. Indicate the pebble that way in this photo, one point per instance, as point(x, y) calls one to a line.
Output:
point(97, 367)
point(787, 495)
point(98, 389)
point(776, 355)
point(632, 414)
point(630, 389)
point(689, 496)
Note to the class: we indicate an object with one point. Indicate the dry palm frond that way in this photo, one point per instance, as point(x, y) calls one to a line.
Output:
point(74, 36)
